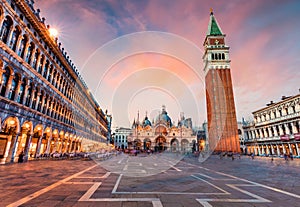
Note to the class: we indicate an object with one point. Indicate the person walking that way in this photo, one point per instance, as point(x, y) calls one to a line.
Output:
point(21, 157)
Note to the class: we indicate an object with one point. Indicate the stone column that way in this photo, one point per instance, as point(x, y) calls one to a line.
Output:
point(17, 91)
point(290, 148)
point(25, 50)
point(262, 149)
point(253, 134)
point(32, 56)
point(283, 148)
point(270, 132)
point(275, 131)
point(280, 130)
point(261, 134)
point(48, 145)
point(27, 146)
point(38, 146)
point(268, 150)
point(13, 147)
point(278, 150)
point(272, 149)
point(25, 94)
point(297, 148)
point(31, 97)
point(8, 85)
point(265, 132)
point(42, 102)
point(10, 35)
point(287, 130)
point(37, 100)
point(19, 40)
point(259, 152)
point(294, 128)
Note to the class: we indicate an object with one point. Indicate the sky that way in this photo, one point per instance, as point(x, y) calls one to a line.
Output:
point(137, 55)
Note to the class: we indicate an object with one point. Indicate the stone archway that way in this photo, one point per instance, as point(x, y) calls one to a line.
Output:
point(174, 145)
point(137, 144)
point(9, 139)
point(184, 145)
point(25, 140)
point(160, 144)
point(147, 144)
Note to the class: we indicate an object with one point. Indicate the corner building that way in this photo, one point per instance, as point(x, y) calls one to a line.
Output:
point(221, 115)
point(45, 105)
point(276, 128)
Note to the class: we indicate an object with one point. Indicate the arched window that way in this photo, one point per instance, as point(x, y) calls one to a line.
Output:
point(50, 73)
point(35, 58)
point(44, 110)
point(5, 29)
point(12, 91)
point(29, 53)
point(35, 95)
point(57, 80)
point(212, 56)
point(21, 91)
point(22, 48)
point(219, 54)
point(40, 101)
point(14, 38)
point(28, 95)
point(5, 77)
point(54, 77)
point(44, 73)
point(40, 65)
point(223, 56)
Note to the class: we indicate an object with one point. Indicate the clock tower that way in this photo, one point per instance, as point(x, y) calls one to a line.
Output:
point(221, 115)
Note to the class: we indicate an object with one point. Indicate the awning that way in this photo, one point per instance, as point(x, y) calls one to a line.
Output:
point(285, 137)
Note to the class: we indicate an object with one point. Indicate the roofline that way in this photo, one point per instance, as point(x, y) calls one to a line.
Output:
point(275, 104)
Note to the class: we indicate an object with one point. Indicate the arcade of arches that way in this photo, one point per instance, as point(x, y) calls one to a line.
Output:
point(45, 105)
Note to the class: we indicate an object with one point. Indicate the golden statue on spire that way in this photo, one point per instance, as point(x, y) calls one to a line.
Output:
point(211, 11)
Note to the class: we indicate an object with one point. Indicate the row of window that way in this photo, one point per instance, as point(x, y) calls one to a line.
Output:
point(276, 130)
point(277, 113)
point(27, 50)
point(22, 90)
point(218, 56)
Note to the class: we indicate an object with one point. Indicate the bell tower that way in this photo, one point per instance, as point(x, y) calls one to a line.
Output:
point(221, 115)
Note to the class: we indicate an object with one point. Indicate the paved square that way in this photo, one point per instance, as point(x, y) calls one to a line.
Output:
point(242, 182)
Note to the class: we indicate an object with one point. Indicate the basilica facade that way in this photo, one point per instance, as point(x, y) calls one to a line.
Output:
point(45, 105)
point(161, 134)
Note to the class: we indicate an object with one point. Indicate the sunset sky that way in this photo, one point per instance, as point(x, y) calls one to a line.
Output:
point(138, 55)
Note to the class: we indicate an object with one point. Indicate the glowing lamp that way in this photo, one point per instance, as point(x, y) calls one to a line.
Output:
point(53, 32)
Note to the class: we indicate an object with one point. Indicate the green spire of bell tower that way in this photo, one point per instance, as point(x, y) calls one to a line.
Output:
point(213, 27)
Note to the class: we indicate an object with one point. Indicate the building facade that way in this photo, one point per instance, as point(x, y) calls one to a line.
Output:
point(275, 129)
point(162, 135)
point(120, 137)
point(221, 114)
point(45, 105)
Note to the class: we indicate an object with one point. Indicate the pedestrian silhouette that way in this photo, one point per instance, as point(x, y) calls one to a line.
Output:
point(21, 156)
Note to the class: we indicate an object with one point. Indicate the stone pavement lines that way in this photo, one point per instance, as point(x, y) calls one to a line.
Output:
point(48, 188)
point(221, 191)
point(96, 185)
point(257, 199)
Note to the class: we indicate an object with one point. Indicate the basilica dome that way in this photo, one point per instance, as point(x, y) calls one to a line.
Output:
point(164, 117)
point(146, 122)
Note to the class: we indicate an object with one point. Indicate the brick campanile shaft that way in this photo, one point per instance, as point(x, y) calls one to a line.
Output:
point(221, 115)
